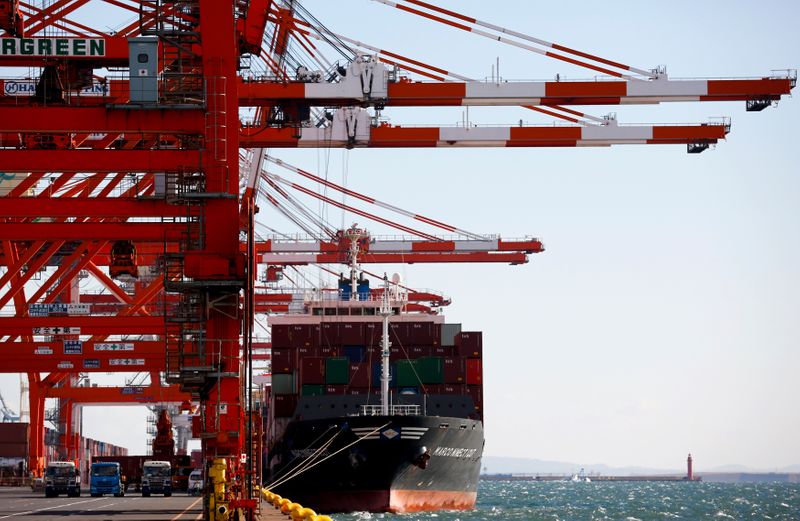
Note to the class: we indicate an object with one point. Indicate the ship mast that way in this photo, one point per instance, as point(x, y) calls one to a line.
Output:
point(385, 311)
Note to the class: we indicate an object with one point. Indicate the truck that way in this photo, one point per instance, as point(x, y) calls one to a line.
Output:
point(131, 467)
point(157, 478)
point(61, 477)
point(106, 478)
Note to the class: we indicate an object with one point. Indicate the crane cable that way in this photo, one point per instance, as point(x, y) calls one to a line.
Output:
point(358, 439)
point(522, 36)
point(372, 200)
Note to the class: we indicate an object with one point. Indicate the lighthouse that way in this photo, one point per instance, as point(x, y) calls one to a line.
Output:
point(689, 474)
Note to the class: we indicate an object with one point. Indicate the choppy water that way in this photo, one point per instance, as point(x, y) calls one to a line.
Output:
point(551, 501)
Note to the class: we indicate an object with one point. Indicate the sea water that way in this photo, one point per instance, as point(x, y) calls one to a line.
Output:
point(624, 501)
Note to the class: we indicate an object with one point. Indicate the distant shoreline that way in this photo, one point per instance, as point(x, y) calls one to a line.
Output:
point(708, 477)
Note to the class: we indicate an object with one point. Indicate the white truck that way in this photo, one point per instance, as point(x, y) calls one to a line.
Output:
point(61, 477)
point(156, 478)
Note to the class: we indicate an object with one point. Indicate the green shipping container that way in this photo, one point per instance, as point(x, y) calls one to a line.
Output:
point(407, 371)
point(337, 371)
point(312, 390)
point(431, 370)
point(283, 384)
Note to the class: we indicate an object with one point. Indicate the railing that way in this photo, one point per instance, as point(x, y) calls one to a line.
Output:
point(394, 410)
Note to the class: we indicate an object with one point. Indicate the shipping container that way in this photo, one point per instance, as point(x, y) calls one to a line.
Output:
point(454, 369)
point(335, 389)
point(356, 354)
point(408, 373)
point(418, 351)
point(330, 351)
point(449, 331)
point(312, 370)
point(285, 404)
point(312, 390)
point(470, 344)
point(306, 352)
point(458, 389)
point(304, 335)
point(283, 360)
point(280, 336)
point(329, 334)
point(474, 371)
point(13, 450)
point(359, 375)
point(373, 332)
point(430, 370)
point(421, 333)
point(351, 333)
point(476, 392)
point(16, 432)
point(283, 383)
point(400, 334)
point(337, 370)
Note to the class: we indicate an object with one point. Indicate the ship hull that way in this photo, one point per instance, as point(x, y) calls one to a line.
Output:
point(379, 463)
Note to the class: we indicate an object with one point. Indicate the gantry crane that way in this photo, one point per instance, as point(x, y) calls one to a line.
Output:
point(145, 170)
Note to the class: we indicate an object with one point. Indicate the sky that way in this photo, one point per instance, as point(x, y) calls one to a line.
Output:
point(661, 320)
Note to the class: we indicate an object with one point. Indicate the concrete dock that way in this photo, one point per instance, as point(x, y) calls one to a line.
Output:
point(21, 503)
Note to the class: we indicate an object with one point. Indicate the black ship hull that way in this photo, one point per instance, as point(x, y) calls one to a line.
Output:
point(379, 463)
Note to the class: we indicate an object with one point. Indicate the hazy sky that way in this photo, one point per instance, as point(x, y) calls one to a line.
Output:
point(662, 318)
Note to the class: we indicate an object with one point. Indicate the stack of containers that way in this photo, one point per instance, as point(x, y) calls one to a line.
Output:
point(336, 358)
point(469, 346)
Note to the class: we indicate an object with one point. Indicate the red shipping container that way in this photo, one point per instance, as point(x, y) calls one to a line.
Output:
point(351, 333)
point(454, 370)
point(329, 352)
point(421, 333)
point(335, 389)
point(418, 351)
point(476, 392)
point(373, 331)
point(442, 351)
point(329, 334)
point(305, 352)
point(458, 389)
point(360, 375)
point(469, 344)
point(474, 371)
point(358, 391)
point(280, 336)
point(285, 404)
point(304, 335)
point(400, 334)
point(312, 371)
point(284, 360)
point(434, 389)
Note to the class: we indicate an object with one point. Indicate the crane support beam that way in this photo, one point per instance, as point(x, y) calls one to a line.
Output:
point(338, 136)
point(99, 160)
point(82, 325)
point(93, 207)
point(105, 231)
point(20, 118)
point(134, 395)
point(477, 93)
point(409, 246)
point(394, 258)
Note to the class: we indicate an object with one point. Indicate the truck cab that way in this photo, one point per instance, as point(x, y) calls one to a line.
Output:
point(195, 487)
point(106, 478)
point(61, 477)
point(157, 478)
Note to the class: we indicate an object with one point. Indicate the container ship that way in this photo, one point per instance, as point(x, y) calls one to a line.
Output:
point(373, 407)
